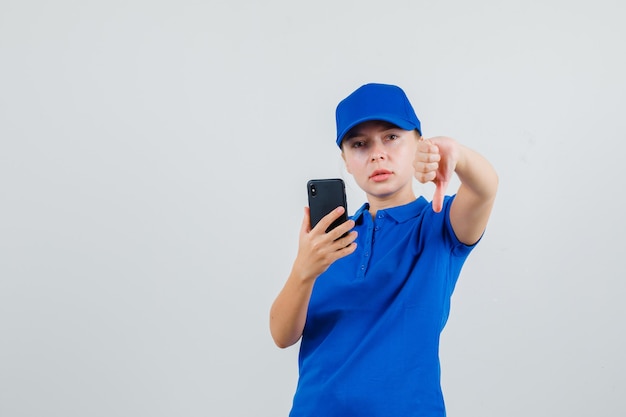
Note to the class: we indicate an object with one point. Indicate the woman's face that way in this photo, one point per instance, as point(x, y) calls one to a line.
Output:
point(380, 157)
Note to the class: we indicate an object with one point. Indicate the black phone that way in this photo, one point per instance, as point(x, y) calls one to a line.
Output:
point(325, 195)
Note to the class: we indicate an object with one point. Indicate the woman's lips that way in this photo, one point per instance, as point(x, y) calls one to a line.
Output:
point(380, 175)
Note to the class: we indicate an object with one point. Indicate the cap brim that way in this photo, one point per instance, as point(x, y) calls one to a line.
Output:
point(401, 123)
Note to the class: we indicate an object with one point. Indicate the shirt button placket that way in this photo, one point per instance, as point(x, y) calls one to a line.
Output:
point(365, 257)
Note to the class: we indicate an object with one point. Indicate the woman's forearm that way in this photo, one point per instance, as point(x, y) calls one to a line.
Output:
point(288, 313)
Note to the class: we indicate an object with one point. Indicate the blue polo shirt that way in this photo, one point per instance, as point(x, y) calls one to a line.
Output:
point(370, 345)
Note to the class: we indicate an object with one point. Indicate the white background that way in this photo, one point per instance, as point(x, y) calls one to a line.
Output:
point(153, 162)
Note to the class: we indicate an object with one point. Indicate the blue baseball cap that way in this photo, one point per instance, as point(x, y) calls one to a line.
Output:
point(373, 101)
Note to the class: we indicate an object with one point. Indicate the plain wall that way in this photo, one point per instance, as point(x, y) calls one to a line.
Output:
point(153, 162)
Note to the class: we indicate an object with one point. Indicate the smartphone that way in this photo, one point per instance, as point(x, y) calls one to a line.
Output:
point(325, 195)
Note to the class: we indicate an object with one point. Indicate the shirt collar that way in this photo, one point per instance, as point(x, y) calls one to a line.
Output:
point(400, 213)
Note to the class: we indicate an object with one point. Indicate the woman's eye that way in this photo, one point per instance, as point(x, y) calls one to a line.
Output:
point(358, 144)
point(393, 137)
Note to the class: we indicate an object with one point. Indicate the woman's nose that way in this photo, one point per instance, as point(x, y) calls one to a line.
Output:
point(377, 155)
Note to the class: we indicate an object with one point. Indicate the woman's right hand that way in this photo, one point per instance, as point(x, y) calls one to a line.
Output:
point(317, 250)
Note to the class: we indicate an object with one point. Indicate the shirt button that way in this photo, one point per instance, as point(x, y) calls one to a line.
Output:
point(362, 267)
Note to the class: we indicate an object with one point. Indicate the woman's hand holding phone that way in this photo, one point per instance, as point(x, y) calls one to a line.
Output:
point(318, 249)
